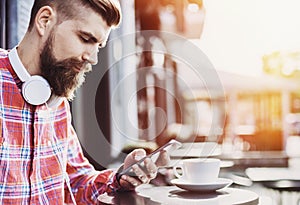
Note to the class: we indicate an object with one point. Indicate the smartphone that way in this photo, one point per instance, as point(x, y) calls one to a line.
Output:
point(169, 147)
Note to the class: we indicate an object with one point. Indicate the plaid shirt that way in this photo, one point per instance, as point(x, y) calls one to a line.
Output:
point(38, 146)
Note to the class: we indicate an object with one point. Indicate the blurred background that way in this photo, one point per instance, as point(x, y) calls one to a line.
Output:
point(253, 46)
point(141, 95)
point(223, 77)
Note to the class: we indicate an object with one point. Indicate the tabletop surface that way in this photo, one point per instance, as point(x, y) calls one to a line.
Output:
point(154, 195)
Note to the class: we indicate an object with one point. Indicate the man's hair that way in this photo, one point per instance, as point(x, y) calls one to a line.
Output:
point(109, 10)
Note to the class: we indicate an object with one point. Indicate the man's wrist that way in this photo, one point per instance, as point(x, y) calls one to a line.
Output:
point(118, 174)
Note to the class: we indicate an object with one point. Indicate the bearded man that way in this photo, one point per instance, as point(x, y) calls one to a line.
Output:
point(41, 160)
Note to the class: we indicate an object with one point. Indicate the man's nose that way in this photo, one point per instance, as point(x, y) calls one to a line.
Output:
point(91, 56)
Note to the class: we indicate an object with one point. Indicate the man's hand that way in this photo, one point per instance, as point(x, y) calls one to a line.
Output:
point(145, 174)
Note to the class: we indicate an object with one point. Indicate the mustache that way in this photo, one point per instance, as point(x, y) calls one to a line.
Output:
point(71, 63)
point(63, 78)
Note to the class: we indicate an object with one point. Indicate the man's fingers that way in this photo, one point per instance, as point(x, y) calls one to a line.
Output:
point(129, 183)
point(163, 159)
point(151, 168)
point(133, 157)
point(141, 175)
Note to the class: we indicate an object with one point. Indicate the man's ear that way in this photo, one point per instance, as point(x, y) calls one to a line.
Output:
point(44, 18)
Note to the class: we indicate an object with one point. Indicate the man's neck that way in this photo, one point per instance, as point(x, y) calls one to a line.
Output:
point(29, 54)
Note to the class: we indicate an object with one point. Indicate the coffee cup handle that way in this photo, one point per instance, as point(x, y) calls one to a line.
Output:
point(178, 166)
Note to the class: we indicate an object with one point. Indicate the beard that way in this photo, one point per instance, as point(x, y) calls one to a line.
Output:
point(61, 75)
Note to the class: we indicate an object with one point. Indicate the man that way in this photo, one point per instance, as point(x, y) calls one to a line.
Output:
point(41, 160)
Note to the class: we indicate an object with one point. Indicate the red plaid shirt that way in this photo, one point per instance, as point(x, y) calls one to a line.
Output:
point(37, 146)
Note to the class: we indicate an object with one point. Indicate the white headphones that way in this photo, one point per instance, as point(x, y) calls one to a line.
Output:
point(35, 89)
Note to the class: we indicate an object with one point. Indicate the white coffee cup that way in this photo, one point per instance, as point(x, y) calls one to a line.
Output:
point(198, 170)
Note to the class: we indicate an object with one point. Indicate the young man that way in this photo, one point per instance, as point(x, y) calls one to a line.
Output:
point(40, 155)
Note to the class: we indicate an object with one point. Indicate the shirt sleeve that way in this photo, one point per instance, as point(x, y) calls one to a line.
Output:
point(86, 183)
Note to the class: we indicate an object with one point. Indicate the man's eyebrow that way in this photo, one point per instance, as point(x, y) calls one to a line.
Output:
point(90, 36)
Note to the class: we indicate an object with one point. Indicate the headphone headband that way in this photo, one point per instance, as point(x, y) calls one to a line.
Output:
point(18, 65)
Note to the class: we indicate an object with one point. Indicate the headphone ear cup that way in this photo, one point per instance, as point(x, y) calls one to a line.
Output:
point(36, 90)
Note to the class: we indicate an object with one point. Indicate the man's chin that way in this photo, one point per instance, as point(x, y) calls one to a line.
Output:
point(68, 89)
point(70, 95)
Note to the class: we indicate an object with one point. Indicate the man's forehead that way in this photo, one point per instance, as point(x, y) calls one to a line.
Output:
point(93, 27)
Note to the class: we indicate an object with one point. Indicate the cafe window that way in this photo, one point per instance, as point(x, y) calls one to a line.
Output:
point(259, 120)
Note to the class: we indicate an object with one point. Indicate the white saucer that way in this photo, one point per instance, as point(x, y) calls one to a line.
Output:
point(208, 187)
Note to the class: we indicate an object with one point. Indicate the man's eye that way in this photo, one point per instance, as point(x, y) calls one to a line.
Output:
point(84, 39)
